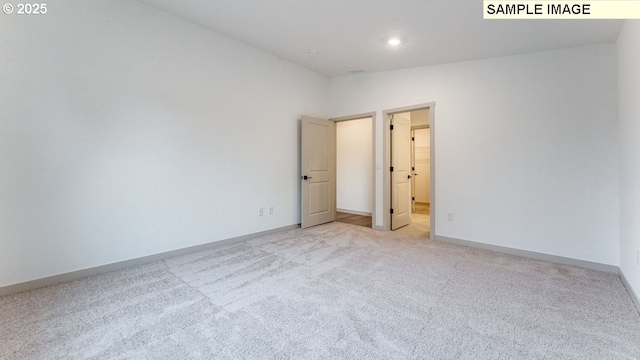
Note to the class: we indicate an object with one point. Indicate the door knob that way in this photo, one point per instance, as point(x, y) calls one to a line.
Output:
point(305, 177)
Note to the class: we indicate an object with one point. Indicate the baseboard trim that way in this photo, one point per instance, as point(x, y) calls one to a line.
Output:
point(532, 255)
point(354, 212)
point(634, 296)
point(81, 274)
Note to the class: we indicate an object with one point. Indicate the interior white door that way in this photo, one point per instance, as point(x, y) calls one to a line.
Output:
point(401, 172)
point(317, 139)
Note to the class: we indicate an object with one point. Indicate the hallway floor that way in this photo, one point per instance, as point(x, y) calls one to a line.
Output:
point(352, 219)
point(420, 221)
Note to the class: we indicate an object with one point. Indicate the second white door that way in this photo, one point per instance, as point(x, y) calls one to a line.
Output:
point(400, 172)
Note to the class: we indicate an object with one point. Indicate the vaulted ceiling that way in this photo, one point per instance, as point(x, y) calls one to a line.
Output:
point(351, 35)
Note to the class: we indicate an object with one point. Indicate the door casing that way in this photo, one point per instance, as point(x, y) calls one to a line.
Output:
point(386, 160)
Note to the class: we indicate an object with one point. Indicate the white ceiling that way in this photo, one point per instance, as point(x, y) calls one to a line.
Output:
point(351, 34)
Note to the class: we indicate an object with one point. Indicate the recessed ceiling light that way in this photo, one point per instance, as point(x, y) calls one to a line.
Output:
point(313, 53)
point(394, 42)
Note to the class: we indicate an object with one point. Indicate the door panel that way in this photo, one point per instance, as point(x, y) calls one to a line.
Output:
point(401, 174)
point(319, 194)
point(318, 165)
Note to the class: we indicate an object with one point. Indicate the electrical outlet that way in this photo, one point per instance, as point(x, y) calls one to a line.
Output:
point(261, 212)
point(450, 216)
point(271, 210)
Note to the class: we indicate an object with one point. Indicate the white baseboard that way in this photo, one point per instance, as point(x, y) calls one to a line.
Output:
point(533, 255)
point(80, 274)
point(354, 212)
point(634, 295)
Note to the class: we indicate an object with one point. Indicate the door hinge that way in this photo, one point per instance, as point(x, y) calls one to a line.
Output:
point(391, 169)
point(391, 211)
point(413, 138)
point(413, 198)
point(413, 168)
point(391, 127)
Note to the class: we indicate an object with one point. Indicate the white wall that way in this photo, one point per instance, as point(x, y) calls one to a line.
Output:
point(125, 131)
point(629, 113)
point(354, 165)
point(537, 133)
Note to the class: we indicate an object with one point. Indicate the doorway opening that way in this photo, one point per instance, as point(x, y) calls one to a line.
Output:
point(355, 199)
point(409, 182)
point(318, 169)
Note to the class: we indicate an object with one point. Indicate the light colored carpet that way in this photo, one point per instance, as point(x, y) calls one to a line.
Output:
point(335, 291)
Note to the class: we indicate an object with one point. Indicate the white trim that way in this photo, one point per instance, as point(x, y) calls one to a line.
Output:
point(354, 212)
point(432, 171)
point(354, 117)
point(533, 255)
point(634, 296)
point(81, 274)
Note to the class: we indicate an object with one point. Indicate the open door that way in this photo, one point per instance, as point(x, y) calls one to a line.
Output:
point(400, 172)
point(317, 156)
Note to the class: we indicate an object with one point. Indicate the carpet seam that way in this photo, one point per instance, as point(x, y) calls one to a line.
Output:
point(190, 286)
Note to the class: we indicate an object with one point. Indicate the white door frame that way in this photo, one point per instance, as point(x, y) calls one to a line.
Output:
point(386, 161)
point(372, 115)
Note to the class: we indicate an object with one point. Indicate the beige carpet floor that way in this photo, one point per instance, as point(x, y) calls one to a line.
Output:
point(335, 291)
